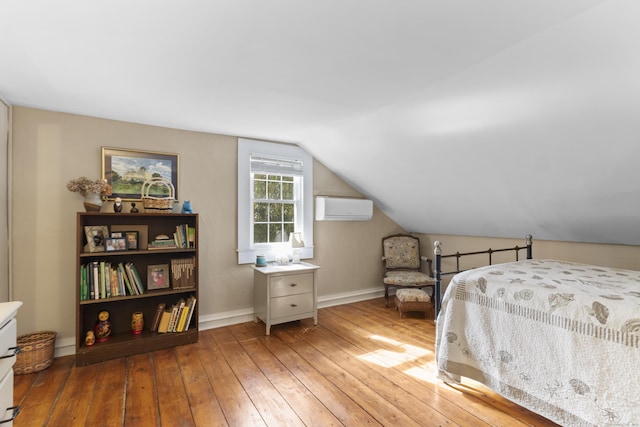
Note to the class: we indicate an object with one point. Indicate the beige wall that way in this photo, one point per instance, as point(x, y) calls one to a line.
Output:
point(51, 148)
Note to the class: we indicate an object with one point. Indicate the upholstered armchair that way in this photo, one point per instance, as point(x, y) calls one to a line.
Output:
point(403, 264)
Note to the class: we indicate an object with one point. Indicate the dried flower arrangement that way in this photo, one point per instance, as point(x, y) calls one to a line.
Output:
point(85, 186)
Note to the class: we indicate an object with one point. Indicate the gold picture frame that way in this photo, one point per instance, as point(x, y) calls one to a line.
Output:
point(127, 170)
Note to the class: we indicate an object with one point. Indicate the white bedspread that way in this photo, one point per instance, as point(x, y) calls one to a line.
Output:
point(559, 338)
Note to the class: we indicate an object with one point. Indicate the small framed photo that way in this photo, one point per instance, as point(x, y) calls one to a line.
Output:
point(116, 234)
point(95, 235)
point(157, 276)
point(132, 240)
point(114, 245)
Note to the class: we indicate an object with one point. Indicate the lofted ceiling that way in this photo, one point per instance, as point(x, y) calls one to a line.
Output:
point(491, 118)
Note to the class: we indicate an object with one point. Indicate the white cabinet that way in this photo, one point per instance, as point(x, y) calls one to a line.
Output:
point(284, 293)
point(8, 328)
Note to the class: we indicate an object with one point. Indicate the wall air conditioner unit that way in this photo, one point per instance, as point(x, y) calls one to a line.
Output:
point(343, 209)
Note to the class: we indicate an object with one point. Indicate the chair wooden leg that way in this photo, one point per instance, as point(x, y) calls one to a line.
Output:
point(386, 295)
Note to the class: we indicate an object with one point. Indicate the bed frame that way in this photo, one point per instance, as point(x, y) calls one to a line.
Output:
point(439, 257)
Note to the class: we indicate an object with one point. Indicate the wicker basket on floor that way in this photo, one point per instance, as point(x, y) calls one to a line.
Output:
point(36, 352)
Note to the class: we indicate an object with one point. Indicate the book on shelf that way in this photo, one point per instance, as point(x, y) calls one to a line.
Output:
point(192, 307)
point(172, 320)
point(162, 244)
point(157, 317)
point(163, 326)
point(183, 272)
point(125, 278)
point(134, 278)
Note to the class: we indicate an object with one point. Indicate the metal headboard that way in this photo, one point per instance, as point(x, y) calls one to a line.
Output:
point(439, 257)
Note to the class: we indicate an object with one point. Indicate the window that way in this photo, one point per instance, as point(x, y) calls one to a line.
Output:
point(274, 199)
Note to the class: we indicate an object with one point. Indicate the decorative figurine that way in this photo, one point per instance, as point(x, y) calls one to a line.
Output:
point(186, 207)
point(117, 205)
point(90, 338)
point(103, 327)
point(137, 323)
point(133, 208)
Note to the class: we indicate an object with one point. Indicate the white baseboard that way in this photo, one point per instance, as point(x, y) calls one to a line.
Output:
point(67, 346)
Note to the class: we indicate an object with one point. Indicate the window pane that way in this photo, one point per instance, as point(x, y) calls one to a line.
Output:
point(260, 212)
point(275, 233)
point(287, 212)
point(260, 233)
point(260, 176)
point(260, 189)
point(274, 190)
point(287, 191)
point(288, 228)
point(287, 178)
point(275, 212)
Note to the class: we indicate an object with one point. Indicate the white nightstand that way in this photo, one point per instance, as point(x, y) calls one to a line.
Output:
point(284, 293)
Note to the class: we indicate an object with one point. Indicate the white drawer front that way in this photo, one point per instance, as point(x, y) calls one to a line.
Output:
point(7, 340)
point(6, 399)
point(291, 284)
point(291, 305)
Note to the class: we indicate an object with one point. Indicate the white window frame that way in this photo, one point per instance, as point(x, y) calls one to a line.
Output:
point(247, 251)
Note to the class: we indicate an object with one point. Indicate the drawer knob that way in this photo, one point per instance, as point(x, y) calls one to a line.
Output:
point(294, 305)
point(293, 285)
point(15, 350)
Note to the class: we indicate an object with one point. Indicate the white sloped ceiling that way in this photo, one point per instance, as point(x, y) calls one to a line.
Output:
point(491, 118)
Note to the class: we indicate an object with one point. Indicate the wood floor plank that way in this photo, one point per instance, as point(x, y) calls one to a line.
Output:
point(234, 401)
point(74, 400)
point(173, 403)
point(141, 406)
point(203, 402)
point(109, 389)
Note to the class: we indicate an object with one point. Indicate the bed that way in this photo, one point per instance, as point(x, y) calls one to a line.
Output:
point(561, 339)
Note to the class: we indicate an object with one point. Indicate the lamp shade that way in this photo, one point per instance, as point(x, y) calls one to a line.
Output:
point(296, 240)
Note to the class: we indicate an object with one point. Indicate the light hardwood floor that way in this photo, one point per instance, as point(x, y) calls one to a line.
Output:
point(362, 365)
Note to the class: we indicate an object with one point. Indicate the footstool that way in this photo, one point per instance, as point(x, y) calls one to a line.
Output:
point(412, 300)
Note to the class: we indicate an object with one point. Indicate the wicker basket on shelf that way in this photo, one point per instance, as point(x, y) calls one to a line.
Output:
point(36, 352)
point(153, 203)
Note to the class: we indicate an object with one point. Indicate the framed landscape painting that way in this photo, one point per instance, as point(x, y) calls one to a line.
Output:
point(126, 171)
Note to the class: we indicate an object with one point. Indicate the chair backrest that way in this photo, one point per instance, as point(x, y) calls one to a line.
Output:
point(401, 252)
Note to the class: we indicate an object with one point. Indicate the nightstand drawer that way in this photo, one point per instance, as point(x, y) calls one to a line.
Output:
point(291, 284)
point(291, 305)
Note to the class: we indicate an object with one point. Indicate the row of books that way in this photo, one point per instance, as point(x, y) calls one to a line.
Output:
point(183, 273)
point(185, 236)
point(175, 318)
point(102, 279)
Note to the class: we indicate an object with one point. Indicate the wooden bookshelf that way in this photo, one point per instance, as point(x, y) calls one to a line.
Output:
point(122, 341)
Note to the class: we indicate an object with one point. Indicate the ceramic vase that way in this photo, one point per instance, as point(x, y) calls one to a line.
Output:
point(92, 202)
